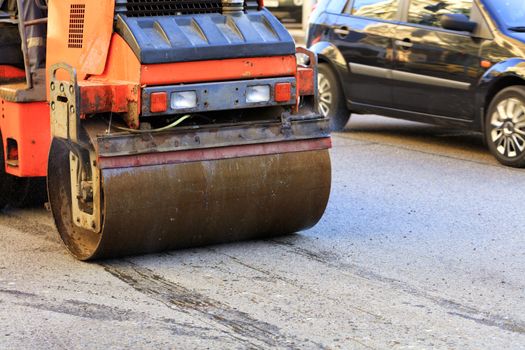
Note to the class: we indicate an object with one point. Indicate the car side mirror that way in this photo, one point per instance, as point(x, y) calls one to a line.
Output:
point(458, 22)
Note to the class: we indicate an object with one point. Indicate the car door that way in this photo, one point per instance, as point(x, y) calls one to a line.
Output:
point(364, 35)
point(435, 70)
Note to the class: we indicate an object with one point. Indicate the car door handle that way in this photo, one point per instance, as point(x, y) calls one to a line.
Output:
point(342, 31)
point(404, 44)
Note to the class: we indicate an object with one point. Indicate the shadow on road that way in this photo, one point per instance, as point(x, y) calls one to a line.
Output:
point(417, 136)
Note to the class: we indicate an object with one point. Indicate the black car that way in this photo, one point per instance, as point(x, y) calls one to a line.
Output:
point(458, 63)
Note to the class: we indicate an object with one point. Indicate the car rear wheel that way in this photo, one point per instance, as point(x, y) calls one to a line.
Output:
point(505, 126)
point(331, 98)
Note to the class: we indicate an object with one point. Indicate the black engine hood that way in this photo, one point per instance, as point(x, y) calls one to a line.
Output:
point(197, 37)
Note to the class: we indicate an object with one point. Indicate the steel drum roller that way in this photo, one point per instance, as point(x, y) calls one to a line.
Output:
point(154, 208)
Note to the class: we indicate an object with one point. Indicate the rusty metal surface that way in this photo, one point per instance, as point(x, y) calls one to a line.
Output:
point(229, 152)
point(184, 138)
point(108, 96)
point(155, 208)
point(305, 81)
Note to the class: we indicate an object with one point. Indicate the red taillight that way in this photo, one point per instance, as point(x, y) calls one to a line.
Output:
point(158, 102)
point(283, 92)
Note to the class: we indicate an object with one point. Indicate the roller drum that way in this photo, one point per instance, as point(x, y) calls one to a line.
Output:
point(154, 208)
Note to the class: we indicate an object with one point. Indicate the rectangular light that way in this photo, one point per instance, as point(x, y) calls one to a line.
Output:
point(158, 102)
point(183, 100)
point(283, 92)
point(258, 93)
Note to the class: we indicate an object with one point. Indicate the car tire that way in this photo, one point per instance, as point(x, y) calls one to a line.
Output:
point(505, 126)
point(331, 98)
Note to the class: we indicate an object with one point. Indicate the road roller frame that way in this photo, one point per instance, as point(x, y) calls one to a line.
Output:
point(66, 125)
point(129, 170)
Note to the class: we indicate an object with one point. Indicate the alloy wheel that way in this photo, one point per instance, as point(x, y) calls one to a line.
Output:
point(325, 95)
point(508, 127)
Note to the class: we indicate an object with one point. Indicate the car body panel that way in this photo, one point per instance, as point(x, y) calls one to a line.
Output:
point(368, 51)
point(437, 73)
point(514, 67)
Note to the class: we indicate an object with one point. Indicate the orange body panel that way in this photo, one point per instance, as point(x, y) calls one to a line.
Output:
point(91, 18)
point(28, 124)
point(117, 89)
point(122, 63)
point(218, 70)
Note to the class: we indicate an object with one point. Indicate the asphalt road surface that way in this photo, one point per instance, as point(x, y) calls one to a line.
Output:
point(422, 247)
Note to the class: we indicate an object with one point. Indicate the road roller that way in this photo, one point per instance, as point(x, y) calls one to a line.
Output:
point(160, 125)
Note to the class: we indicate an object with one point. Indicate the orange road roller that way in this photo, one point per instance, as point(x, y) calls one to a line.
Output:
point(160, 124)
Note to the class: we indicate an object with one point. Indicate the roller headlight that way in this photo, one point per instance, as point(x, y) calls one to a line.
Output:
point(258, 93)
point(183, 100)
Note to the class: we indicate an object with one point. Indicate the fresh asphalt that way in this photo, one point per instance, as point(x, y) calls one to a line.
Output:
point(422, 247)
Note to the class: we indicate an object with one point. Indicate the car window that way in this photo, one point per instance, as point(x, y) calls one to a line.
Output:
point(380, 9)
point(428, 12)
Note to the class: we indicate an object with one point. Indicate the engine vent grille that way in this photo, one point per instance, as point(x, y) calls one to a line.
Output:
point(76, 26)
point(143, 8)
